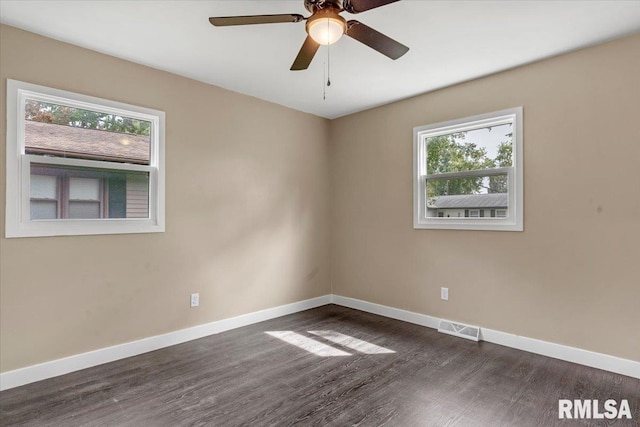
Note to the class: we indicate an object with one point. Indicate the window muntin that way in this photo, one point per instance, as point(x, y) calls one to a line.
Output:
point(81, 165)
point(467, 170)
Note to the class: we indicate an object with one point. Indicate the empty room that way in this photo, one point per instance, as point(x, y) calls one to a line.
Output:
point(319, 212)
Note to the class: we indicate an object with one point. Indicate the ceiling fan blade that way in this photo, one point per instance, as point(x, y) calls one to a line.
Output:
point(306, 54)
point(357, 6)
point(223, 21)
point(376, 40)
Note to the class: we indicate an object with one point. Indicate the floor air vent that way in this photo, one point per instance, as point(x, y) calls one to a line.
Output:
point(459, 330)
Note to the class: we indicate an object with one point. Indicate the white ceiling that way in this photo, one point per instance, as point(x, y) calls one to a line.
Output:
point(450, 41)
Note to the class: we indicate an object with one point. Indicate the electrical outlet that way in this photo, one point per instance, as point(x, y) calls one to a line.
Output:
point(195, 300)
point(444, 294)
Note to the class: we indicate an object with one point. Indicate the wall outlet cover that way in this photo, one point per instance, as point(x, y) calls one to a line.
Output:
point(195, 300)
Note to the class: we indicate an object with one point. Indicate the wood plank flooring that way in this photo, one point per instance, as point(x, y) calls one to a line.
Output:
point(248, 377)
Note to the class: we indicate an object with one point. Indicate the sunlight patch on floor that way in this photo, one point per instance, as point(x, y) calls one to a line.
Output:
point(351, 342)
point(308, 344)
point(325, 350)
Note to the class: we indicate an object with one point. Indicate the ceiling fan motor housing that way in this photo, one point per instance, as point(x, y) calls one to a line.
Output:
point(314, 5)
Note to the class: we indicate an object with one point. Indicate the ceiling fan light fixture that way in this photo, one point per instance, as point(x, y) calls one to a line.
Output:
point(326, 28)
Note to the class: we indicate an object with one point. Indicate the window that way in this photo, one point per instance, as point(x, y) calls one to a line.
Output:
point(81, 165)
point(468, 173)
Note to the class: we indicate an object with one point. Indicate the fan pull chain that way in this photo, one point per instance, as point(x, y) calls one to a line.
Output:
point(327, 70)
point(328, 62)
point(324, 76)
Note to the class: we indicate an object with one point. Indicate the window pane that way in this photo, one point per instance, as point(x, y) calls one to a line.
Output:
point(479, 197)
point(88, 192)
point(44, 187)
point(59, 130)
point(44, 209)
point(484, 148)
point(84, 210)
point(84, 189)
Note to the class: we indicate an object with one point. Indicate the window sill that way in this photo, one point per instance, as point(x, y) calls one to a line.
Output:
point(78, 227)
point(484, 225)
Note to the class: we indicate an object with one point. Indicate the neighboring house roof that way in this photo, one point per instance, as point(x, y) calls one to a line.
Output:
point(47, 138)
point(469, 201)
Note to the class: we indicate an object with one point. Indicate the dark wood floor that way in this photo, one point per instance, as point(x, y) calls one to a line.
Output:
point(248, 377)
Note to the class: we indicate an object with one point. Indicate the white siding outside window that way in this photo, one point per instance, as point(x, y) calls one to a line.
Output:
point(137, 196)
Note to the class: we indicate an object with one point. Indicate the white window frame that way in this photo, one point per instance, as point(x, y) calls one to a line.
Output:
point(515, 173)
point(17, 205)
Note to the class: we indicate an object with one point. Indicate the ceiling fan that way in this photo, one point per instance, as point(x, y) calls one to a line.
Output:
point(325, 26)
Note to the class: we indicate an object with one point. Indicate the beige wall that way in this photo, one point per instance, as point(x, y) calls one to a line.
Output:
point(250, 210)
point(247, 215)
point(573, 276)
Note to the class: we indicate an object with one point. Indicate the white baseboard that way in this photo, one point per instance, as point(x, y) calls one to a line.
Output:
point(557, 351)
point(69, 364)
point(77, 362)
point(602, 361)
point(386, 311)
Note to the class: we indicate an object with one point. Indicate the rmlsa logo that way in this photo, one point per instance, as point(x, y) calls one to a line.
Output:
point(590, 409)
